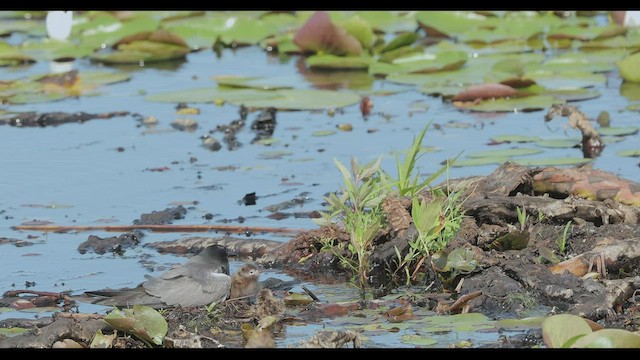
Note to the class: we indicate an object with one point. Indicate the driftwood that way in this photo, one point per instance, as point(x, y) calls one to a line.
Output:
point(609, 255)
point(80, 327)
point(260, 250)
point(502, 209)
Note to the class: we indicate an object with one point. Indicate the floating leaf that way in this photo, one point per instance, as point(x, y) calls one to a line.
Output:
point(399, 41)
point(423, 63)
point(323, 133)
point(448, 23)
point(552, 161)
point(630, 68)
point(302, 100)
point(515, 139)
point(328, 61)
point(630, 90)
point(485, 91)
point(558, 329)
point(529, 103)
point(211, 94)
point(359, 29)
point(608, 338)
point(142, 321)
point(295, 299)
point(259, 83)
point(12, 331)
point(143, 51)
point(559, 143)
point(505, 153)
point(629, 153)
point(418, 340)
point(618, 131)
point(566, 79)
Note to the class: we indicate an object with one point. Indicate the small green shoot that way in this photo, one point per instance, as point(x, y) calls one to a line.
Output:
point(523, 217)
point(562, 241)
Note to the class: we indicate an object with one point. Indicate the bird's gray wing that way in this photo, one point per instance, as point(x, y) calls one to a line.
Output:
point(121, 298)
point(186, 291)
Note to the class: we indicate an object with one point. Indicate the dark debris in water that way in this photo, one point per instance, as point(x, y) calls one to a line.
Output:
point(114, 244)
point(165, 216)
point(15, 242)
point(34, 119)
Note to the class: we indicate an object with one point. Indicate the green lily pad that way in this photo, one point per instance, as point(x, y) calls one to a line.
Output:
point(479, 161)
point(400, 41)
point(303, 100)
point(389, 21)
point(630, 90)
point(576, 62)
point(552, 161)
point(12, 331)
point(421, 64)
point(629, 153)
point(142, 51)
point(559, 143)
point(507, 29)
point(212, 94)
point(505, 153)
point(558, 329)
point(566, 79)
point(106, 29)
point(586, 33)
point(618, 131)
point(323, 133)
point(448, 23)
point(630, 68)
point(359, 29)
point(512, 72)
point(418, 340)
point(515, 138)
point(608, 338)
point(259, 83)
point(329, 62)
point(142, 321)
point(529, 103)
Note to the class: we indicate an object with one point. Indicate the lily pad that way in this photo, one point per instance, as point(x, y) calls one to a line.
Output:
point(101, 341)
point(320, 34)
point(504, 153)
point(515, 138)
point(529, 103)
point(421, 64)
point(323, 133)
point(142, 51)
point(259, 83)
point(566, 79)
point(330, 62)
point(608, 338)
point(629, 153)
point(526, 323)
point(552, 161)
point(418, 340)
point(630, 90)
point(630, 68)
point(558, 329)
point(448, 23)
point(211, 94)
point(302, 100)
point(12, 331)
point(559, 143)
point(400, 41)
point(618, 131)
point(359, 29)
point(142, 321)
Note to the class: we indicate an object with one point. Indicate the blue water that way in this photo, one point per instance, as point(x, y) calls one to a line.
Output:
point(76, 168)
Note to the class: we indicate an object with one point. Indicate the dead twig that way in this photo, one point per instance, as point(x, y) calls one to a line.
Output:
point(159, 228)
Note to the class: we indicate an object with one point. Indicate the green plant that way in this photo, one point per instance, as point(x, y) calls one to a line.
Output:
point(358, 209)
point(408, 182)
point(572, 331)
point(562, 241)
point(523, 217)
point(541, 217)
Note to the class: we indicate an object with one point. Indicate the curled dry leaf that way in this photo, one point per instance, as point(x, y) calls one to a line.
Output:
point(320, 34)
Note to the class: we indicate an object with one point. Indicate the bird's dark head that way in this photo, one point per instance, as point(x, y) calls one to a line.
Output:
point(217, 255)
